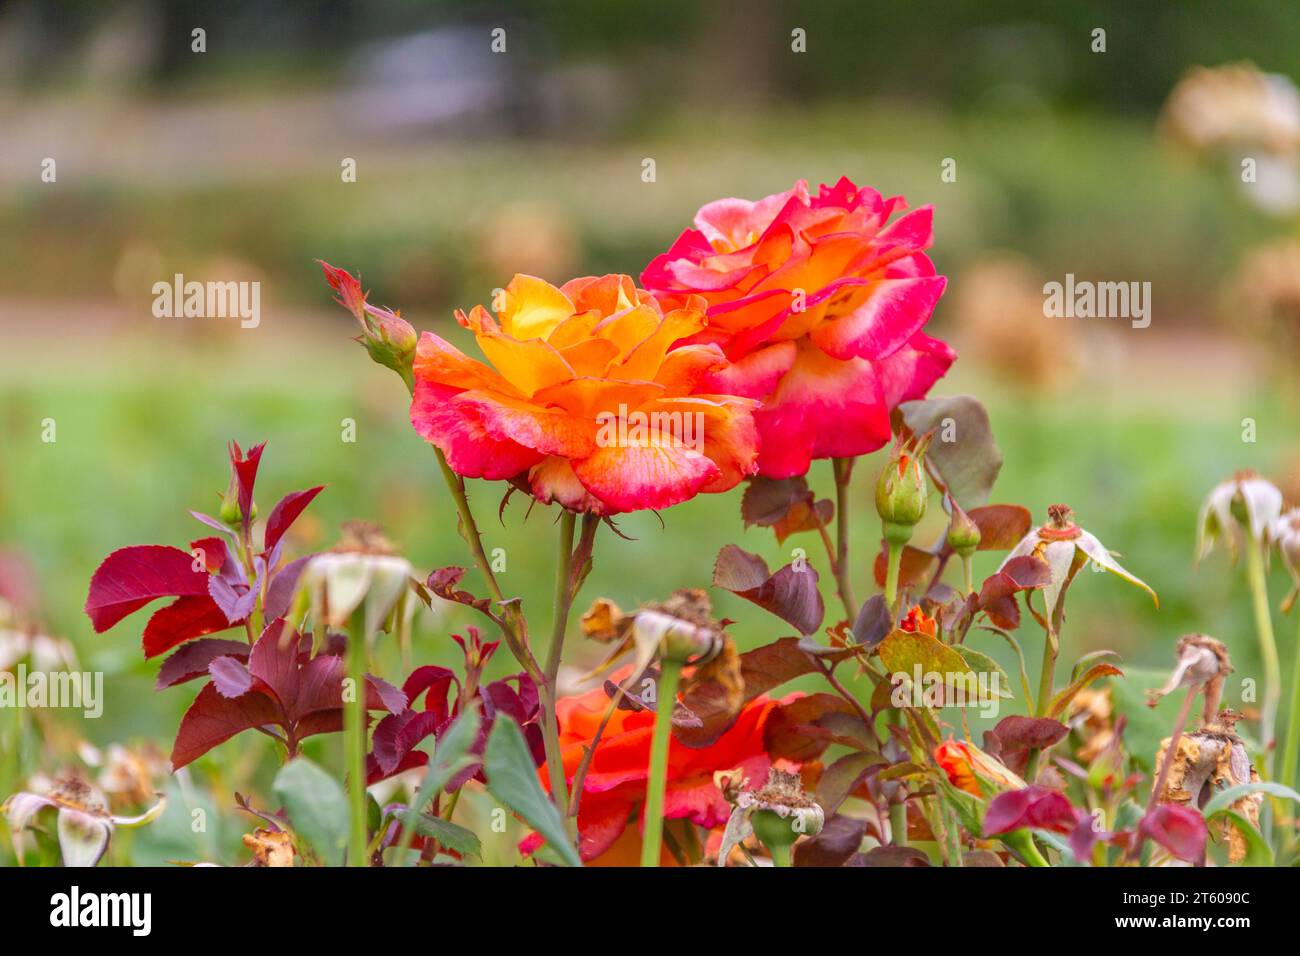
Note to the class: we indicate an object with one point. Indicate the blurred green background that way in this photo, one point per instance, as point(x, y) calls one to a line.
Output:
point(472, 165)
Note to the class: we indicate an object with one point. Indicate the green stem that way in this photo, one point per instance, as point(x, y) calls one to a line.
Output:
point(1267, 648)
point(898, 824)
point(780, 855)
point(559, 624)
point(665, 698)
point(891, 576)
point(1047, 676)
point(1292, 751)
point(966, 574)
point(354, 738)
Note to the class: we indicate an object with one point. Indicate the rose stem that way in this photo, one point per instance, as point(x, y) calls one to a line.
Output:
point(843, 469)
point(897, 811)
point(559, 623)
point(891, 577)
point(354, 737)
point(1267, 647)
point(665, 699)
point(780, 855)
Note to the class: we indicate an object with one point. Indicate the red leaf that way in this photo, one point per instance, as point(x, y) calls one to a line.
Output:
point(1180, 830)
point(192, 660)
point(285, 513)
point(1001, 526)
point(131, 577)
point(279, 593)
point(230, 676)
point(184, 619)
point(213, 719)
point(1035, 807)
point(245, 469)
point(790, 594)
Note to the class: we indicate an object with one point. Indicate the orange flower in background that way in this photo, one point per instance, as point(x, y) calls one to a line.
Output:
point(965, 765)
point(614, 788)
point(585, 399)
point(820, 302)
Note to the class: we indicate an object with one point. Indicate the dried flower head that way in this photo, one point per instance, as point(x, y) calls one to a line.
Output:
point(1244, 506)
point(778, 814)
point(83, 823)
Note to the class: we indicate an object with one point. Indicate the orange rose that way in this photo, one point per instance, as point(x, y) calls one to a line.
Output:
point(613, 792)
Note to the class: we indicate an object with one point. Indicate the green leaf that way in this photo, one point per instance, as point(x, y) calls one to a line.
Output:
point(981, 663)
point(450, 755)
point(902, 652)
point(512, 779)
point(449, 835)
point(1257, 849)
point(317, 808)
point(1226, 798)
point(1097, 671)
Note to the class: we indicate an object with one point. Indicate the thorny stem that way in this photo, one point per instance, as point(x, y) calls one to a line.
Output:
point(354, 738)
point(1267, 647)
point(843, 469)
point(515, 633)
point(665, 699)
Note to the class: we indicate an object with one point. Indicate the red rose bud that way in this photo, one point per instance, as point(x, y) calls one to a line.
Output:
point(901, 490)
point(388, 337)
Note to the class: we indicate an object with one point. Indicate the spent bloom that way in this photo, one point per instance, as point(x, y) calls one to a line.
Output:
point(1067, 548)
point(1245, 503)
point(593, 396)
point(82, 821)
point(1286, 534)
point(778, 814)
point(819, 302)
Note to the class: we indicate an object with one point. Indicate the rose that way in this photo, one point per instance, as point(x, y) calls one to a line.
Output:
point(819, 301)
point(591, 397)
point(614, 787)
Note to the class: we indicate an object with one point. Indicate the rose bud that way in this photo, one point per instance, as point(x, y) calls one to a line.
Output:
point(901, 489)
point(970, 769)
point(963, 533)
point(388, 337)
